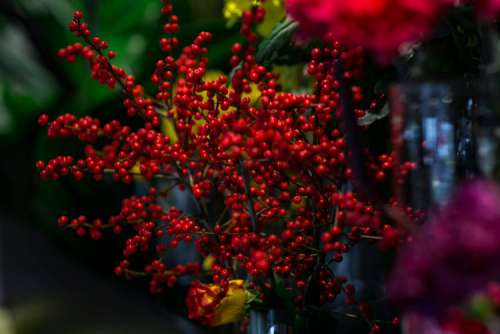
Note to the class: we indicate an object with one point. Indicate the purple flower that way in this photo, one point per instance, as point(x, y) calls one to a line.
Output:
point(456, 254)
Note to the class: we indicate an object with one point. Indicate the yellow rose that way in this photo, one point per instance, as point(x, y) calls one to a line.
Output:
point(214, 306)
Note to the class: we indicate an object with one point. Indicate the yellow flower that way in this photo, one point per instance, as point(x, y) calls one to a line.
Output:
point(232, 306)
point(212, 306)
point(136, 171)
point(233, 10)
point(208, 262)
point(168, 128)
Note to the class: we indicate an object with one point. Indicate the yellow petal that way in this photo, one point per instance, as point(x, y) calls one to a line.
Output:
point(168, 128)
point(232, 306)
point(136, 171)
point(275, 11)
point(208, 262)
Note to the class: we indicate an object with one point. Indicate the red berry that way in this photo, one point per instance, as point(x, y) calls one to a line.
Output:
point(43, 120)
point(78, 15)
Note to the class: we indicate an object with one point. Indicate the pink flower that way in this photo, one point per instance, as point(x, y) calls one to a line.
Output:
point(455, 255)
point(381, 26)
point(314, 16)
point(494, 293)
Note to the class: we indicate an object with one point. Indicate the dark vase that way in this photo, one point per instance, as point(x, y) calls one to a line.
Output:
point(433, 140)
point(269, 322)
point(487, 130)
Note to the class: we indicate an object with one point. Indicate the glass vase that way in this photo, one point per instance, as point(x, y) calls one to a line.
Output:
point(433, 140)
point(269, 322)
point(487, 131)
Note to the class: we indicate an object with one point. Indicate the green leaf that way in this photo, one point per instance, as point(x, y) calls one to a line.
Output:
point(121, 16)
point(481, 307)
point(276, 42)
point(300, 324)
point(370, 118)
point(25, 86)
point(284, 295)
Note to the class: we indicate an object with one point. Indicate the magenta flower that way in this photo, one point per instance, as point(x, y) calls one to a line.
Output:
point(314, 16)
point(381, 26)
point(456, 254)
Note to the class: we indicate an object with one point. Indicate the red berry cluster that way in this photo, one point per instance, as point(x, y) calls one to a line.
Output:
point(280, 163)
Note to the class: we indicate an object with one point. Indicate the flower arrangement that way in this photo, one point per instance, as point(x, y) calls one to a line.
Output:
point(298, 191)
point(279, 162)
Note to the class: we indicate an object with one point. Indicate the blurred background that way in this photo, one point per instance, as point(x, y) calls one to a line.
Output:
point(52, 281)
